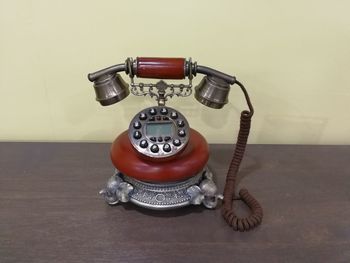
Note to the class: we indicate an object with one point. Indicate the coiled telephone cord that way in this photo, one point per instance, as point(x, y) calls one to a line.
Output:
point(255, 218)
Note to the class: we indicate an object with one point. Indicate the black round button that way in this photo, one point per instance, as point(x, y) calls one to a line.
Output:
point(154, 148)
point(181, 133)
point(177, 142)
point(153, 111)
point(137, 125)
point(143, 144)
point(180, 123)
point(164, 111)
point(137, 135)
point(153, 139)
point(173, 115)
point(160, 139)
point(167, 147)
point(143, 116)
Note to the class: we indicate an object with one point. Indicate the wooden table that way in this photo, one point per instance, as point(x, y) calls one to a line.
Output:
point(50, 210)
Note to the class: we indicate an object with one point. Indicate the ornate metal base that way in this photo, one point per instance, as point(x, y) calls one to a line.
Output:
point(199, 189)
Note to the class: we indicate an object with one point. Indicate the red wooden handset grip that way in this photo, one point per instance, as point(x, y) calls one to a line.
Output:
point(160, 68)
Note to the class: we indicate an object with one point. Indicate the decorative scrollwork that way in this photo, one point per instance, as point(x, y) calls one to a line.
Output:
point(179, 91)
point(143, 90)
point(161, 90)
point(198, 189)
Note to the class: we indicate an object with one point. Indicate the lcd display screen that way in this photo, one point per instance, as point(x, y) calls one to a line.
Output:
point(159, 129)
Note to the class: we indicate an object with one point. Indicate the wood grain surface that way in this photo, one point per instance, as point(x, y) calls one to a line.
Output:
point(50, 210)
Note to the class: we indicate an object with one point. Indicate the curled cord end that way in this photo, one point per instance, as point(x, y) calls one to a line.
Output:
point(255, 218)
point(244, 223)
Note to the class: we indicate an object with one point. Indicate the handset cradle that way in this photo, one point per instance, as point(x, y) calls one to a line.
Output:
point(161, 163)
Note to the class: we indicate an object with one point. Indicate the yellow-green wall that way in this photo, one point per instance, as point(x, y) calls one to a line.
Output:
point(293, 56)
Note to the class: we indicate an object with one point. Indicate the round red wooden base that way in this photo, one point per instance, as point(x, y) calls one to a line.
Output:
point(185, 165)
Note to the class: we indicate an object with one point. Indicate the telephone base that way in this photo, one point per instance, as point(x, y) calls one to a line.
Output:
point(199, 189)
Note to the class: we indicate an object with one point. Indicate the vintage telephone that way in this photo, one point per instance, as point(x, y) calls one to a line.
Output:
point(161, 163)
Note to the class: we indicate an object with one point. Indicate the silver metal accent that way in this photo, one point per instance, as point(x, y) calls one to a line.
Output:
point(196, 195)
point(130, 67)
point(161, 196)
point(116, 190)
point(161, 91)
point(206, 192)
point(196, 190)
point(189, 68)
point(175, 130)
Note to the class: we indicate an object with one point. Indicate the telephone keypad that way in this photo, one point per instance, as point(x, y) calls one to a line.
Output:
point(159, 132)
point(137, 135)
point(167, 147)
point(154, 148)
point(173, 115)
point(153, 111)
point(137, 125)
point(142, 116)
point(164, 111)
point(177, 142)
point(180, 123)
point(181, 133)
point(143, 144)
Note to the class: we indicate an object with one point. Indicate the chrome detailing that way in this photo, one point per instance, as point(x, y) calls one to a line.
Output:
point(116, 190)
point(205, 193)
point(161, 196)
point(209, 190)
point(161, 145)
point(195, 193)
point(199, 189)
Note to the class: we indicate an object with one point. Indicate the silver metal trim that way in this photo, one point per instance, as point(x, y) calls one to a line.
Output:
point(161, 196)
point(199, 189)
point(161, 90)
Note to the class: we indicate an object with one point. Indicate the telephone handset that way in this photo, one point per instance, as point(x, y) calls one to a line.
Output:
point(160, 161)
